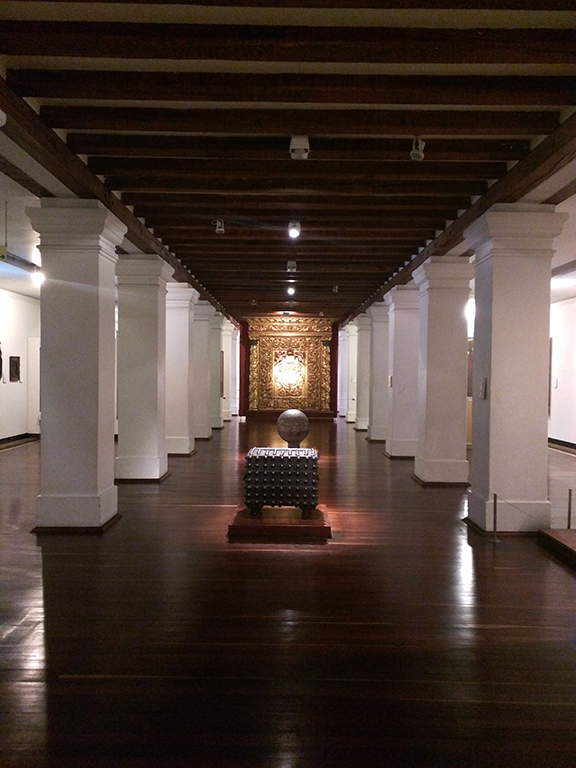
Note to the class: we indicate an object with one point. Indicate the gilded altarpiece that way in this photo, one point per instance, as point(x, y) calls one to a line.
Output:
point(289, 363)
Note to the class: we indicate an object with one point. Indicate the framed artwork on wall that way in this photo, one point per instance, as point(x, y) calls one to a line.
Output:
point(14, 368)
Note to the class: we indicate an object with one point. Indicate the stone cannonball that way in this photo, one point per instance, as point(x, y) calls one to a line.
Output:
point(292, 427)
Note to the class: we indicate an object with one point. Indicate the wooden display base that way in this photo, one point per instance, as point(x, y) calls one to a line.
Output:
point(280, 525)
point(560, 543)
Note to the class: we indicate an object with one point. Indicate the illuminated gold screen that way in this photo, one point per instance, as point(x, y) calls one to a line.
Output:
point(289, 364)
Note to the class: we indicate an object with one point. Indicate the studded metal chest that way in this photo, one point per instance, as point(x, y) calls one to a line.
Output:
point(281, 477)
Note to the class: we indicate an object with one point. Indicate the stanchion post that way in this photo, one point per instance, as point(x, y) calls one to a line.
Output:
point(495, 520)
point(569, 508)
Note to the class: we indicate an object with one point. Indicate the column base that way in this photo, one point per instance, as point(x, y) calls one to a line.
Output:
point(351, 418)
point(180, 445)
point(400, 449)
point(377, 434)
point(443, 471)
point(76, 511)
point(512, 516)
point(361, 425)
point(217, 423)
point(152, 468)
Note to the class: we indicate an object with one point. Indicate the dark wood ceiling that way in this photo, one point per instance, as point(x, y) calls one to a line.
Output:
point(183, 123)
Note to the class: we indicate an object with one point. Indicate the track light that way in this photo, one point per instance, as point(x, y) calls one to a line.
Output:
point(290, 266)
point(294, 229)
point(299, 147)
point(219, 226)
point(417, 152)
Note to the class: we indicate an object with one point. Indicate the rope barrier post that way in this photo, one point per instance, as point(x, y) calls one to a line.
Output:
point(495, 521)
point(569, 508)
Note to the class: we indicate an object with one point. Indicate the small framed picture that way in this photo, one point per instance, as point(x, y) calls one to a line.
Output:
point(14, 368)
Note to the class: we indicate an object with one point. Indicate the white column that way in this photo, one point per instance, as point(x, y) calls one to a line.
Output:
point(226, 347)
point(203, 314)
point(402, 436)
point(235, 378)
point(352, 382)
point(378, 407)
point(513, 244)
point(180, 302)
point(216, 372)
point(78, 240)
point(444, 286)
point(342, 372)
point(362, 373)
point(142, 453)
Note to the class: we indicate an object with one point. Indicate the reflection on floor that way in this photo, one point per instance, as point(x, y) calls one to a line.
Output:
point(407, 640)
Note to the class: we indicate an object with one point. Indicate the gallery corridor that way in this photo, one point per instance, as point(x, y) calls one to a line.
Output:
point(407, 640)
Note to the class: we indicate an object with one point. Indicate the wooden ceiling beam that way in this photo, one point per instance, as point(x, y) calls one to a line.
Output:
point(332, 219)
point(288, 187)
point(517, 5)
point(179, 234)
point(286, 43)
point(283, 170)
point(276, 147)
point(146, 202)
point(294, 88)
point(311, 122)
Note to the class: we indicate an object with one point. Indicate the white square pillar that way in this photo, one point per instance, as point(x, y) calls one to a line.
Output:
point(142, 453)
point(352, 371)
point(78, 240)
point(378, 406)
point(216, 371)
point(342, 372)
point(180, 301)
point(513, 244)
point(235, 373)
point(203, 314)
point(402, 438)
point(226, 349)
point(444, 290)
point(362, 373)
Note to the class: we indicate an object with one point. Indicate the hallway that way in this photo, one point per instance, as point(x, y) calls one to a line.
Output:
point(407, 640)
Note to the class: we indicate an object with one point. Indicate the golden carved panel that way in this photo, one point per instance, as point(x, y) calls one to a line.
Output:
point(289, 364)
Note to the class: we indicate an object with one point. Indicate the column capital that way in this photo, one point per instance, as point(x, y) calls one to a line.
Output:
point(227, 326)
point(181, 294)
point(351, 329)
point(378, 312)
point(148, 270)
point(216, 321)
point(363, 322)
point(444, 272)
point(204, 311)
point(79, 223)
point(515, 229)
point(402, 297)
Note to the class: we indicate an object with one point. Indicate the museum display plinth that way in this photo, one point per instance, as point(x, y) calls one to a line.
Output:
point(281, 477)
point(282, 525)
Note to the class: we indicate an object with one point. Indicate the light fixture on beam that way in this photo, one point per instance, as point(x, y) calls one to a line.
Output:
point(291, 291)
point(218, 224)
point(290, 266)
point(294, 229)
point(299, 147)
point(417, 152)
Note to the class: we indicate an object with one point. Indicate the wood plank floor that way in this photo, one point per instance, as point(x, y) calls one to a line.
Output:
point(407, 640)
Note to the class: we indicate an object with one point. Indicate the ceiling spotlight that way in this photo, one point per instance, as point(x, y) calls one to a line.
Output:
point(291, 291)
point(219, 226)
point(334, 289)
point(299, 147)
point(294, 229)
point(417, 152)
point(290, 266)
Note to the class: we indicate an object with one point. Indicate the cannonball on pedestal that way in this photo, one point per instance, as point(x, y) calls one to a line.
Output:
point(292, 427)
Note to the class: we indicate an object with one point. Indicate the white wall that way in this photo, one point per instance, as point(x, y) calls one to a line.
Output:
point(19, 322)
point(562, 422)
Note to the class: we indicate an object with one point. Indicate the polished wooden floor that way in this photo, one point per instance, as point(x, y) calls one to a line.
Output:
point(407, 640)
